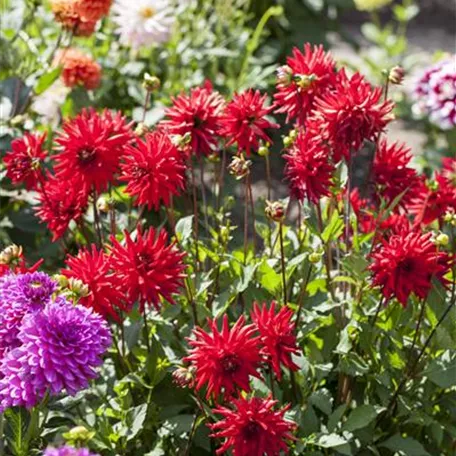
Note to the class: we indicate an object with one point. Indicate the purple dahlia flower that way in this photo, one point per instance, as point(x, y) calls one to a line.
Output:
point(19, 295)
point(68, 451)
point(61, 347)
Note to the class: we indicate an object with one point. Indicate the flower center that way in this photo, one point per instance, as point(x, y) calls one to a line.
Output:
point(230, 363)
point(86, 155)
point(406, 265)
point(147, 12)
point(139, 172)
point(251, 430)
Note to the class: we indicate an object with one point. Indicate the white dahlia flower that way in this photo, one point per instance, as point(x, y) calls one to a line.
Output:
point(143, 22)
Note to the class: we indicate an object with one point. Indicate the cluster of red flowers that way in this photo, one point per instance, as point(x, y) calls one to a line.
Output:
point(147, 270)
point(225, 360)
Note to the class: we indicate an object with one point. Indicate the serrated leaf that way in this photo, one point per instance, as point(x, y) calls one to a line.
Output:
point(184, 228)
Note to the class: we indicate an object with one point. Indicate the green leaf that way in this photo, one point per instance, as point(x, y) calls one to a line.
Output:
point(334, 228)
point(322, 399)
point(46, 80)
point(135, 420)
point(442, 371)
point(269, 279)
point(335, 417)
point(360, 417)
point(345, 343)
point(407, 445)
point(339, 443)
point(184, 228)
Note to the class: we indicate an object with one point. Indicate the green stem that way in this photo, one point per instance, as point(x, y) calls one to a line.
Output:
point(301, 298)
point(282, 260)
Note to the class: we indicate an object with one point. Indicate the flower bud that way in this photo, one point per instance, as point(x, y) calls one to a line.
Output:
point(11, 253)
point(263, 151)
point(442, 239)
point(61, 280)
point(239, 167)
point(396, 75)
point(287, 141)
point(275, 211)
point(78, 435)
point(304, 81)
point(315, 257)
point(141, 129)
point(293, 134)
point(151, 83)
point(284, 75)
point(214, 157)
point(103, 204)
point(184, 377)
point(78, 287)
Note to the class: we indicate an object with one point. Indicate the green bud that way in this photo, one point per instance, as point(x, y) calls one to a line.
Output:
point(151, 83)
point(442, 239)
point(315, 257)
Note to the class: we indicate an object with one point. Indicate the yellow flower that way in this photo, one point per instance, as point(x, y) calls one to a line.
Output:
point(371, 5)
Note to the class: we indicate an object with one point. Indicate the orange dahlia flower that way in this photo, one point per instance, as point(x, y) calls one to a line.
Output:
point(66, 13)
point(79, 69)
point(92, 10)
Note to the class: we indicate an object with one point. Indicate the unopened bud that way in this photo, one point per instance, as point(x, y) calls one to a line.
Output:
point(141, 129)
point(103, 204)
point(214, 157)
point(11, 253)
point(17, 120)
point(396, 75)
point(284, 75)
point(287, 141)
point(184, 377)
point(315, 257)
point(442, 239)
point(78, 287)
point(61, 280)
point(151, 83)
point(182, 142)
point(263, 151)
point(293, 134)
point(275, 211)
point(78, 434)
point(239, 167)
point(305, 81)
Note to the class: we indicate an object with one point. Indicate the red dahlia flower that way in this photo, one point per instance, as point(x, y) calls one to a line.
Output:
point(244, 121)
point(148, 268)
point(308, 167)
point(253, 428)
point(61, 201)
point(277, 336)
point(391, 173)
point(154, 170)
point(369, 219)
point(198, 114)
point(351, 113)
point(307, 74)
point(405, 263)
point(431, 204)
point(225, 360)
point(91, 146)
point(23, 163)
point(78, 69)
point(449, 170)
point(93, 268)
point(92, 10)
